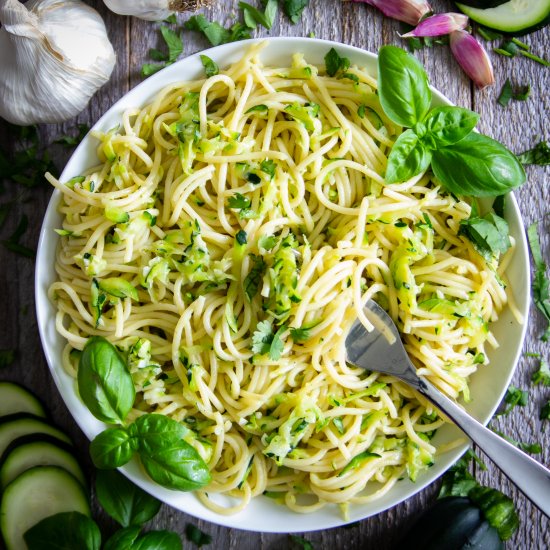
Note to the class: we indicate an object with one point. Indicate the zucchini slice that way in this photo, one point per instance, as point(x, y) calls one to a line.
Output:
point(16, 425)
point(513, 17)
point(32, 450)
point(16, 399)
point(36, 494)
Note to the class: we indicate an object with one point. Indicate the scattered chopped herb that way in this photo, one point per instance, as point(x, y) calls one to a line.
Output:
point(508, 93)
point(253, 279)
point(268, 166)
point(171, 19)
point(488, 34)
point(541, 284)
point(214, 32)
point(238, 202)
point(73, 141)
point(174, 44)
point(545, 411)
point(241, 237)
point(542, 376)
point(539, 155)
point(210, 67)
point(301, 542)
point(12, 243)
point(488, 234)
point(257, 109)
point(533, 448)
point(7, 357)
point(513, 47)
point(265, 341)
point(339, 424)
point(253, 16)
point(336, 64)
point(515, 397)
point(293, 9)
point(196, 535)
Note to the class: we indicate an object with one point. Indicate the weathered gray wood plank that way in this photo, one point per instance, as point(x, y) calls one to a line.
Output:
point(364, 27)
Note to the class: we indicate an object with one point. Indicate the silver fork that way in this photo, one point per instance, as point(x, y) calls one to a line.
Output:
point(382, 350)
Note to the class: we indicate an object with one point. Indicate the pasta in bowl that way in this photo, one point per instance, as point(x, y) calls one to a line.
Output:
point(223, 232)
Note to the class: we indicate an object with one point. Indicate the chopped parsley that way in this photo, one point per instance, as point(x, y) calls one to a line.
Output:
point(253, 16)
point(293, 9)
point(216, 33)
point(539, 155)
point(301, 542)
point(509, 93)
point(542, 376)
point(515, 397)
point(265, 341)
point(174, 47)
point(541, 284)
point(196, 535)
point(210, 67)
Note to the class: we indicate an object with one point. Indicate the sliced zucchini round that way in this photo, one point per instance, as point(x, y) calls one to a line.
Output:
point(513, 17)
point(17, 399)
point(36, 494)
point(29, 451)
point(17, 425)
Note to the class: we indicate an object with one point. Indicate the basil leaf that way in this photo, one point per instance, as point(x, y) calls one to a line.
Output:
point(175, 465)
point(253, 16)
point(123, 539)
point(214, 32)
point(408, 157)
point(253, 280)
point(64, 531)
point(158, 540)
point(403, 86)
point(489, 235)
point(124, 501)
point(174, 43)
point(477, 166)
point(196, 536)
point(541, 283)
point(104, 382)
point(210, 67)
point(293, 9)
point(112, 448)
point(447, 125)
point(168, 459)
point(335, 64)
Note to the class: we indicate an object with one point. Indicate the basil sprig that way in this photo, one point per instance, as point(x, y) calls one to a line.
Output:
point(107, 389)
point(465, 162)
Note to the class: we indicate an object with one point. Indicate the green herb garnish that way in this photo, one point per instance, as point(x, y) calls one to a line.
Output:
point(196, 536)
point(293, 9)
point(216, 33)
point(210, 67)
point(541, 284)
point(539, 155)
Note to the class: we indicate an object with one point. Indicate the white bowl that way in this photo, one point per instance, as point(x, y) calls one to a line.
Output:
point(487, 385)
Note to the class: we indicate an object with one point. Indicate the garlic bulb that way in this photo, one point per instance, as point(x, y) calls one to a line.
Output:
point(54, 55)
point(153, 10)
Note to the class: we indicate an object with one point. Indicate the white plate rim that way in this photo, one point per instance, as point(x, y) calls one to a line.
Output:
point(278, 519)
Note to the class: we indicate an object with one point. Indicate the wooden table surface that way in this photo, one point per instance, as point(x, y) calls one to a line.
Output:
point(519, 126)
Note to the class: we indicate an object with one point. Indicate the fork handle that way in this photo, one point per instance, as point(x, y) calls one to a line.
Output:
point(532, 478)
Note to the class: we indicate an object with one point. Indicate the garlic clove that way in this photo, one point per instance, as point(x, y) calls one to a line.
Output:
point(439, 25)
point(54, 55)
point(153, 10)
point(408, 11)
point(473, 58)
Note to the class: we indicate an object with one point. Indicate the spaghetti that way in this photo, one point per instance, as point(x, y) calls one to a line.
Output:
point(227, 241)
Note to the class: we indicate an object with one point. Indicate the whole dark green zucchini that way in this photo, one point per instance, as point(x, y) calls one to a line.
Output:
point(453, 523)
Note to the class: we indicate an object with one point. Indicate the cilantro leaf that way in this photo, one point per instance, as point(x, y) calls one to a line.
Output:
point(335, 64)
point(293, 9)
point(173, 42)
point(196, 535)
point(264, 341)
point(539, 155)
point(541, 284)
point(216, 33)
point(253, 16)
point(543, 374)
point(489, 234)
point(210, 67)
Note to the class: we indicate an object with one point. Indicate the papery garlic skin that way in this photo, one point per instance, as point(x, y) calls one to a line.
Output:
point(152, 10)
point(54, 55)
point(439, 25)
point(473, 58)
point(408, 11)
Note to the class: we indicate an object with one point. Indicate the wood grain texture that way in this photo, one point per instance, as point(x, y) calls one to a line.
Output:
point(518, 126)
